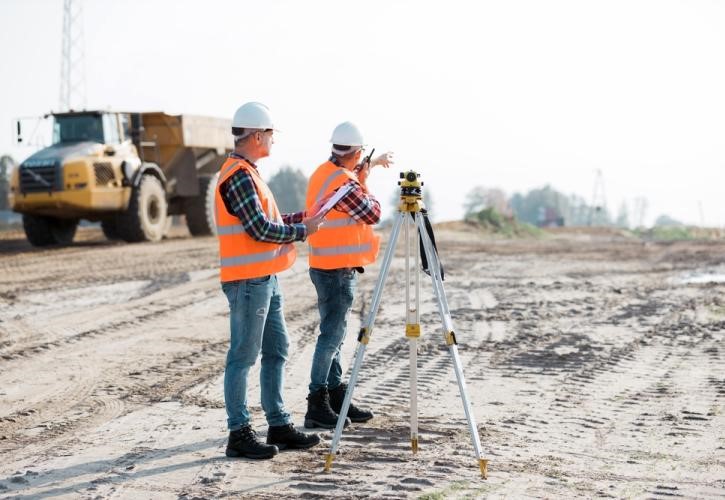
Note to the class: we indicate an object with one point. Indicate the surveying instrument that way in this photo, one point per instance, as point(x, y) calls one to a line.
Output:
point(411, 212)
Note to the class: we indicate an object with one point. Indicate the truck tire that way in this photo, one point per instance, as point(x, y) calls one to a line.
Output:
point(145, 218)
point(167, 226)
point(199, 210)
point(110, 231)
point(44, 231)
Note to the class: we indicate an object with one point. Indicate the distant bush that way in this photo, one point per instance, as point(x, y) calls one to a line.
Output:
point(679, 233)
point(490, 216)
point(491, 220)
point(667, 221)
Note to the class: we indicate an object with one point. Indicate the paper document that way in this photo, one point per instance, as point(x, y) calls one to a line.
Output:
point(339, 194)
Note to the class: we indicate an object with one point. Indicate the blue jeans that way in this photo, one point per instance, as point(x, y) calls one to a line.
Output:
point(257, 325)
point(335, 291)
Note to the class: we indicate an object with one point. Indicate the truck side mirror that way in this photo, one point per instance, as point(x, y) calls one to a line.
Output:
point(20, 134)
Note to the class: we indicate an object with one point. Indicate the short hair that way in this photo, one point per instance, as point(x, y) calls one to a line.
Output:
point(240, 134)
point(344, 151)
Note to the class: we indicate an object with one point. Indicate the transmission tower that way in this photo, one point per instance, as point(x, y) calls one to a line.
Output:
point(598, 209)
point(72, 65)
point(640, 211)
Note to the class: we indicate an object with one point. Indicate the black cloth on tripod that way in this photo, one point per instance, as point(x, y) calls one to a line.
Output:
point(423, 257)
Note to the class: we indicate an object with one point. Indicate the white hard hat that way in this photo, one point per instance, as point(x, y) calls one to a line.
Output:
point(347, 134)
point(254, 115)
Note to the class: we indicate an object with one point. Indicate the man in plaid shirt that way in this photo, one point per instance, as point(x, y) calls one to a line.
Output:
point(255, 299)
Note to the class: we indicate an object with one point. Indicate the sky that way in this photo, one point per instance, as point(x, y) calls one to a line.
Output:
point(510, 94)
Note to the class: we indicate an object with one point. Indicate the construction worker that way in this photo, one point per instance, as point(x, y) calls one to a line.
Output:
point(255, 243)
point(344, 244)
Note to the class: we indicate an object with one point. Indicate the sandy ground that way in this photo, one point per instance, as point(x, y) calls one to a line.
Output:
point(594, 367)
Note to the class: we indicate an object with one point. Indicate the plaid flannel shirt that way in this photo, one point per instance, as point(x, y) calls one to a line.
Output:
point(358, 203)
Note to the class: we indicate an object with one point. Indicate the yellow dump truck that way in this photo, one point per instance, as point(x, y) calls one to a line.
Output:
point(130, 171)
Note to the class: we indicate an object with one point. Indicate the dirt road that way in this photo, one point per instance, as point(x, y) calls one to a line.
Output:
point(595, 369)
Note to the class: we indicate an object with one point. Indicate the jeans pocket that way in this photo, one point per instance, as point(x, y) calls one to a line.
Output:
point(325, 283)
point(230, 289)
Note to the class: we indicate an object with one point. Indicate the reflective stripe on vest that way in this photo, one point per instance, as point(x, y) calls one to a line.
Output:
point(327, 183)
point(329, 224)
point(341, 250)
point(227, 230)
point(241, 260)
point(226, 170)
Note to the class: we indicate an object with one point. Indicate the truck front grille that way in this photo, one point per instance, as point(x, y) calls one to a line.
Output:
point(38, 179)
point(104, 173)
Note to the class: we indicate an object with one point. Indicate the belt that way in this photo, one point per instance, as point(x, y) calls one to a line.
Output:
point(358, 269)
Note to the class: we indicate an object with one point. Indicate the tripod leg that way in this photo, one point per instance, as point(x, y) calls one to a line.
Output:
point(412, 331)
point(363, 338)
point(450, 337)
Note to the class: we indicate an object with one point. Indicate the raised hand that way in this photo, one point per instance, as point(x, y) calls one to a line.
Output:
point(384, 160)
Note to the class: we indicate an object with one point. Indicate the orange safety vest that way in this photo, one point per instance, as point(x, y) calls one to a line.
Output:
point(241, 256)
point(341, 241)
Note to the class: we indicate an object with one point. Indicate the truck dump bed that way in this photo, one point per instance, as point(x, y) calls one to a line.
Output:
point(170, 133)
point(184, 146)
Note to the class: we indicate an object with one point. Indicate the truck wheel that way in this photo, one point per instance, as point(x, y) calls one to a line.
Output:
point(44, 231)
point(199, 210)
point(145, 218)
point(110, 231)
point(167, 226)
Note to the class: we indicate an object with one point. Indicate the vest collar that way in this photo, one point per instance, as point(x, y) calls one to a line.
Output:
point(335, 161)
point(240, 157)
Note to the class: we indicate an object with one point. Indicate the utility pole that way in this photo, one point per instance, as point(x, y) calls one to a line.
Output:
point(597, 211)
point(640, 210)
point(72, 63)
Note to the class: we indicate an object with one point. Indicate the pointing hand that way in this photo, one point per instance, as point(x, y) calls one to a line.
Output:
point(385, 160)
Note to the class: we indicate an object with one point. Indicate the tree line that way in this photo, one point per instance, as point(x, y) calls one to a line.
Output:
point(543, 206)
point(547, 207)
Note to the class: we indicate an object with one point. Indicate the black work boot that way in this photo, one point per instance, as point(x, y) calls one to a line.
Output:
point(244, 443)
point(287, 437)
point(319, 413)
point(337, 396)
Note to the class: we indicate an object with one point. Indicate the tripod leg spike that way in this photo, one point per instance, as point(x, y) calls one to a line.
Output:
point(483, 464)
point(328, 462)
